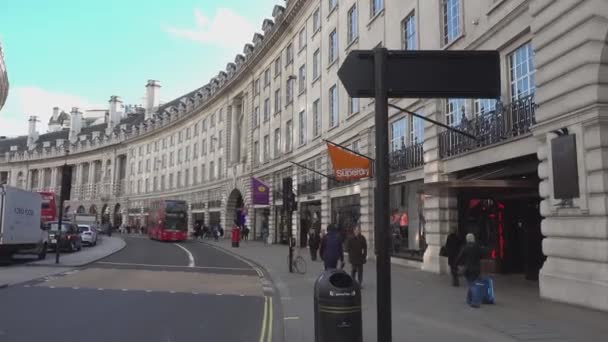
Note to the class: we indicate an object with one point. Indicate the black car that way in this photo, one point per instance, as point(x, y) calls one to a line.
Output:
point(69, 239)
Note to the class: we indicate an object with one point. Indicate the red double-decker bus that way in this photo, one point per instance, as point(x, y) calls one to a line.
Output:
point(168, 220)
point(49, 207)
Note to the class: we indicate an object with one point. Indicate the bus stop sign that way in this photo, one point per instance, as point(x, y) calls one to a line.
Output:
point(425, 74)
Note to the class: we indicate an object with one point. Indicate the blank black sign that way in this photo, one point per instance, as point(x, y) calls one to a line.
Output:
point(565, 167)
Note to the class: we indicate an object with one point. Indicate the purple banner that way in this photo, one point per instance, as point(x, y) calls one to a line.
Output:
point(259, 192)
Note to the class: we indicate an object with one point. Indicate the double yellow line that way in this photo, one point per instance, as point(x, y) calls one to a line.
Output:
point(266, 333)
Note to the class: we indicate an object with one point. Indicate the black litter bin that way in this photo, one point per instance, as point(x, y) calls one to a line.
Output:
point(337, 308)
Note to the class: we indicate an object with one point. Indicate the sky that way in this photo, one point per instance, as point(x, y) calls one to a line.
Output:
point(78, 53)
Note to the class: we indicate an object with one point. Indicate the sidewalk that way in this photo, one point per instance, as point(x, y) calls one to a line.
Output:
point(25, 272)
point(426, 308)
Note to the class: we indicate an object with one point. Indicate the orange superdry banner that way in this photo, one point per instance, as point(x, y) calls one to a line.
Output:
point(348, 166)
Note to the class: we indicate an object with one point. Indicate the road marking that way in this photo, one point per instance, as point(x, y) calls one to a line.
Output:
point(26, 285)
point(75, 288)
point(291, 318)
point(269, 336)
point(172, 292)
point(148, 291)
point(264, 318)
point(51, 287)
point(99, 289)
point(190, 256)
point(177, 266)
point(124, 290)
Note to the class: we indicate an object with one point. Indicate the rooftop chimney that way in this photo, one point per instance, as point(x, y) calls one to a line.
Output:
point(152, 97)
point(32, 134)
point(55, 113)
point(116, 112)
point(75, 124)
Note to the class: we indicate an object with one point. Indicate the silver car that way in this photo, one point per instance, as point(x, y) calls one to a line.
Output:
point(88, 234)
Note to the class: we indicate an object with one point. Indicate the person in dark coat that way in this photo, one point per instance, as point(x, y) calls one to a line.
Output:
point(331, 248)
point(470, 257)
point(453, 247)
point(357, 254)
point(313, 244)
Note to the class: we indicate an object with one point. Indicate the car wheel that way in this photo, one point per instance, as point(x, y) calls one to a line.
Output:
point(95, 242)
point(42, 254)
point(79, 246)
point(72, 247)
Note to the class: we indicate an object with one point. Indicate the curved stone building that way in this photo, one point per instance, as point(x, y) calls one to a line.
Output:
point(278, 100)
point(3, 79)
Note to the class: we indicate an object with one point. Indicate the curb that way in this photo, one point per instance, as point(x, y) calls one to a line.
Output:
point(124, 244)
point(266, 275)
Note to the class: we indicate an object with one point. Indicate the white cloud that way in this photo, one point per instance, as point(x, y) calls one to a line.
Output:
point(26, 101)
point(226, 29)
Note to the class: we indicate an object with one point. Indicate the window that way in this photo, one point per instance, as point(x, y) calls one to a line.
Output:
point(455, 110)
point(171, 158)
point(288, 136)
point(266, 148)
point(179, 179)
point(180, 136)
point(204, 124)
point(141, 151)
point(408, 26)
point(171, 183)
point(212, 144)
point(302, 38)
point(164, 143)
point(204, 147)
point(220, 167)
point(139, 186)
point(256, 116)
point(521, 66)
point(417, 133)
point(451, 20)
point(187, 177)
point(256, 153)
point(147, 185)
point(156, 146)
point(195, 151)
point(179, 156)
point(187, 157)
point(203, 172)
point(266, 110)
point(316, 20)
point(289, 95)
point(256, 86)
point(355, 145)
point(220, 135)
point(333, 46)
point(376, 7)
point(194, 175)
point(353, 105)
point(172, 140)
point(277, 101)
point(485, 106)
point(288, 54)
point(316, 65)
point(332, 4)
point(140, 168)
point(196, 129)
point(398, 131)
point(277, 142)
point(277, 67)
point(163, 180)
point(221, 115)
point(147, 165)
point(302, 78)
point(148, 148)
point(132, 169)
point(302, 127)
point(212, 120)
point(164, 162)
point(333, 106)
point(316, 118)
point(267, 78)
point(211, 170)
point(188, 133)
point(353, 28)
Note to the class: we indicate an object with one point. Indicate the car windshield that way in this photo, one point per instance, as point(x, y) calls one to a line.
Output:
point(55, 227)
point(83, 228)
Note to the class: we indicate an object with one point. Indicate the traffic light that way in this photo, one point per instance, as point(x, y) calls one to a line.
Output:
point(289, 198)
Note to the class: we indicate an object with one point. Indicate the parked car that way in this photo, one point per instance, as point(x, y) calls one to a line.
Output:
point(70, 238)
point(88, 234)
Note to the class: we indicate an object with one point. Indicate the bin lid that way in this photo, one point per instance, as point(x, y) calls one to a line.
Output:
point(336, 284)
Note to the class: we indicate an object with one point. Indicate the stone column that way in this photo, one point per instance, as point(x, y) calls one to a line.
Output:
point(440, 209)
point(571, 90)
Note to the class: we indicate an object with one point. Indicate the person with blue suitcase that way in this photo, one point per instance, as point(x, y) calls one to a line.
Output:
point(487, 289)
point(470, 257)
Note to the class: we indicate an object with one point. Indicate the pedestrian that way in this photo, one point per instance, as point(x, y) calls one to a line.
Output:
point(265, 230)
point(470, 257)
point(216, 232)
point(453, 246)
point(313, 244)
point(197, 231)
point(331, 249)
point(357, 254)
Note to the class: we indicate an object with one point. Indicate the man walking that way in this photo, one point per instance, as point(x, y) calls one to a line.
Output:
point(452, 248)
point(313, 244)
point(357, 254)
point(470, 257)
point(331, 248)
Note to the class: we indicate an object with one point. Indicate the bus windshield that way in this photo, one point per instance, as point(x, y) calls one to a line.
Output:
point(175, 221)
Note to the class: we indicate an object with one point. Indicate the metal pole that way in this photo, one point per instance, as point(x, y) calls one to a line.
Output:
point(290, 239)
point(60, 219)
point(381, 207)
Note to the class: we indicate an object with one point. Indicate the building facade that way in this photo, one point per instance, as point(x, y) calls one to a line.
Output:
point(280, 99)
point(3, 79)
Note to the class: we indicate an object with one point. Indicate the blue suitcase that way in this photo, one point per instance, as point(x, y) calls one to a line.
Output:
point(488, 290)
point(475, 295)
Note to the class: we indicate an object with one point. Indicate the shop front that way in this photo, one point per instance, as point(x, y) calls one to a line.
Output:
point(198, 213)
point(260, 197)
point(281, 235)
point(345, 213)
point(310, 219)
point(407, 220)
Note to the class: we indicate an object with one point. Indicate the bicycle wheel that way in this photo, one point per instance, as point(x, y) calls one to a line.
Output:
point(300, 265)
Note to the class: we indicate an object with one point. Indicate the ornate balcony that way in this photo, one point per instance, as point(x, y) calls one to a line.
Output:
point(504, 123)
point(408, 157)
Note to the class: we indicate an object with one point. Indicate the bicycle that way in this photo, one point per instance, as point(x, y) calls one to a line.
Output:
point(299, 265)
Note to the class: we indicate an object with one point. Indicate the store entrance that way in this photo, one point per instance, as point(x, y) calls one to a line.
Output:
point(508, 227)
point(310, 219)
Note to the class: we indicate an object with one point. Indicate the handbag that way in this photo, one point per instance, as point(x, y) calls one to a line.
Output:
point(443, 252)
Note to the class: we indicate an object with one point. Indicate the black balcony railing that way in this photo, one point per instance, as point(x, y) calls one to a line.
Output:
point(408, 157)
point(309, 187)
point(504, 123)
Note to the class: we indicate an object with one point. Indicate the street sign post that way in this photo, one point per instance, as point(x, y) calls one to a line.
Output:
point(382, 74)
